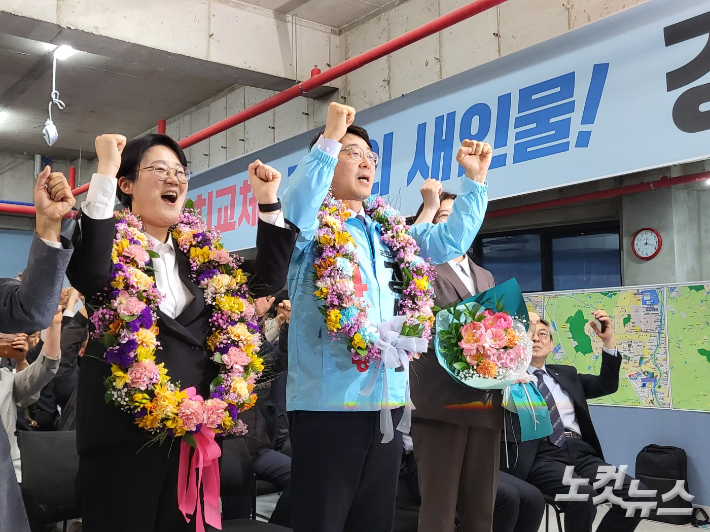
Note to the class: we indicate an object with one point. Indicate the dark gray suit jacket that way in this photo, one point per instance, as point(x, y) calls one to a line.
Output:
point(435, 394)
point(30, 305)
point(27, 306)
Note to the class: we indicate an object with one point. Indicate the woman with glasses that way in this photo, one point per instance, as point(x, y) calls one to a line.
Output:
point(124, 483)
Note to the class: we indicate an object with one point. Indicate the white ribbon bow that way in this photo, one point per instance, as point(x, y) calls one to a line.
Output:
point(393, 348)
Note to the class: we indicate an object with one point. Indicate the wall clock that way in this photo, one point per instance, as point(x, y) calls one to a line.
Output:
point(646, 243)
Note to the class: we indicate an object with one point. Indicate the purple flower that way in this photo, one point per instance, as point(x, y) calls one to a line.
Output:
point(233, 411)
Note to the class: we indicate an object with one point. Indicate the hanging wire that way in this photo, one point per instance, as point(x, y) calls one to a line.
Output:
point(55, 93)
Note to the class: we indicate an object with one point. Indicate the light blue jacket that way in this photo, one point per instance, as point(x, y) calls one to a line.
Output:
point(321, 374)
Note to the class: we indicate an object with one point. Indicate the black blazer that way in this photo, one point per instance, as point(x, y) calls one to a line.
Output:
point(182, 339)
point(580, 387)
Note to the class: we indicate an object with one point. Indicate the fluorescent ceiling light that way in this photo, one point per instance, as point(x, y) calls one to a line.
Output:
point(64, 51)
point(3, 116)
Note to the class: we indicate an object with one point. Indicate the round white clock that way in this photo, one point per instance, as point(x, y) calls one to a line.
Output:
point(646, 243)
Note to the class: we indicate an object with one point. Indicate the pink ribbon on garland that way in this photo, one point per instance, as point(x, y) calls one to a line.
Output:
point(202, 472)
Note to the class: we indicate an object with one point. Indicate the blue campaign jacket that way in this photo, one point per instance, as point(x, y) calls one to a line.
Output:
point(321, 374)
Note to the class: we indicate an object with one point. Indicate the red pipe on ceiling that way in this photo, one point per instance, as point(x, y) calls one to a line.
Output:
point(321, 78)
point(318, 80)
point(663, 182)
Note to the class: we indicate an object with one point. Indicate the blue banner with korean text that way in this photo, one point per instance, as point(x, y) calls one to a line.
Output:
point(627, 93)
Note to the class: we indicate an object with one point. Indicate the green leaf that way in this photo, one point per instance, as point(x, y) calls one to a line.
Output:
point(218, 381)
point(460, 366)
point(108, 340)
point(128, 319)
point(153, 254)
point(190, 440)
point(189, 204)
point(108, 397)
point(362, 351)
point(435, 309)
point(218, 358)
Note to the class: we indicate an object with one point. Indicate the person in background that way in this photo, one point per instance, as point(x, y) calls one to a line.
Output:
point(22, 388)
point(573, 441)
point(455, 429)
point(30, 305)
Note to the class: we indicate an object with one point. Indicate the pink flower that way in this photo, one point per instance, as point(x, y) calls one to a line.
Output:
point(142, 374)
point(472, 335)
point(127, 305)
point(501, 320)
point(192, 414)
point(137, 253)
point(214, 412)
point(221, 256)
point(235, 357)
point(472, 357)
point(496, 338)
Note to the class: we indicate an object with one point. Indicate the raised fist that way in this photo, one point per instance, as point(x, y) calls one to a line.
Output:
point(430, 191)
point(339, 118)
point(264, 181)
point(475, 157)
point(108, 151)
point(53, 200)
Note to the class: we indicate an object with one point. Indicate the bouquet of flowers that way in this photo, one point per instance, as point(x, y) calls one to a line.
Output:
point(482, 342)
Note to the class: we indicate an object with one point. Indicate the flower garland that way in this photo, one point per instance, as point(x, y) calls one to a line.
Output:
point(336, 265)
point(125, 322)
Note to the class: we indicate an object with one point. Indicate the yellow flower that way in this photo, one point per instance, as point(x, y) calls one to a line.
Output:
point(164, 403)
point(422, 284)
point(121, 246)
point(230, 303)
point(219, 283)
point(149, 421)
point(239, 332)
point(248, 349)
point(332, 222)
point(333, 320)
point(239, 277)
point(142, 280)
point(322, 292)
point(359, 342)
point(342, 238)
point(227, 422)
point(257, 363)
point(120, 378)
point(146, 338)
point(325, 240)
point(200, 255)
point(141, 398)
point(118, 283)
point(239, 387)
point(175, 423)
point(145, 353)
point(213, 340)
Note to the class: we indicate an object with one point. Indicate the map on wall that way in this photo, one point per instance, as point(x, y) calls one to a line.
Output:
point(638, 316)
point(688, 331)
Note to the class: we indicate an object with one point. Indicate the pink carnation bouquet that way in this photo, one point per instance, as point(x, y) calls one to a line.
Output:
point(482, 347)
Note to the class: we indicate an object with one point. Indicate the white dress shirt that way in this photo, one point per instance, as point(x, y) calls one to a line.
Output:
point(99, 205)
point(463, 270)
point(564, 403)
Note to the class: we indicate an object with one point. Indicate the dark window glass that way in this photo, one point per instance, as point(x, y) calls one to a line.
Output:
point(514, 256)
point(586, 261)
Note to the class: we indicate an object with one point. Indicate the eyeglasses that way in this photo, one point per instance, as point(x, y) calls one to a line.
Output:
point(357, 153)
point(542, 335)
point(162, 171)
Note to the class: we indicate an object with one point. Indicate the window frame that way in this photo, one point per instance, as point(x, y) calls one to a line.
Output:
point(547, 235)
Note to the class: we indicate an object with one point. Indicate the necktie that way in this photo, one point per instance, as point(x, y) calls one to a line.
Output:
point(463, 270)
point(362, 219)
point(558, 429)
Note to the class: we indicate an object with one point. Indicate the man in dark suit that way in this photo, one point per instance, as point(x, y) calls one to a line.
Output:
point(573, 441)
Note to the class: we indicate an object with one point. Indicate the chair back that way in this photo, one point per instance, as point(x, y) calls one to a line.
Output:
point(50, 463)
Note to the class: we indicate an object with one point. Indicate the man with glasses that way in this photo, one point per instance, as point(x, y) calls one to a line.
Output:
point(573, 441)
point(344, 472)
